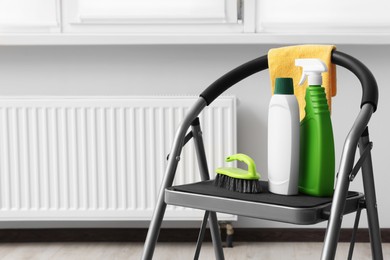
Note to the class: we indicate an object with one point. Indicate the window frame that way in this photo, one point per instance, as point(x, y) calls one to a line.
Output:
point(75, 21)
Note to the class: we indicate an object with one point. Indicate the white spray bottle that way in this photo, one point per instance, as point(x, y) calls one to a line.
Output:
point(283, 139)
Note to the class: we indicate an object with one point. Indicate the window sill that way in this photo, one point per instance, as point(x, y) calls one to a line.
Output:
point(189, 39)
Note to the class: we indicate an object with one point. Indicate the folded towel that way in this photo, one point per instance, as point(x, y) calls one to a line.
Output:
point(281, 63)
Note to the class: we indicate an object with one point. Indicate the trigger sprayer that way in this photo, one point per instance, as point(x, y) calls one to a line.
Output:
point(316, 156)
point(313, 69)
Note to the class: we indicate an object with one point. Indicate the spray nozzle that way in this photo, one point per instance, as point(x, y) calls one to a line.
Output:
point(312, 68)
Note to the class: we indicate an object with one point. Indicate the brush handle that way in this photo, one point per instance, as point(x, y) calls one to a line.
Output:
point(245, 159)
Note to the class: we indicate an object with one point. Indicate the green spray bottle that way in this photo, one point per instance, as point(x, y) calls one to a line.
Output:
point(317, 157)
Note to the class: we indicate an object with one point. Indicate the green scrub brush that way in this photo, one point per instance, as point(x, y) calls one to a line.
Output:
point(236, 179)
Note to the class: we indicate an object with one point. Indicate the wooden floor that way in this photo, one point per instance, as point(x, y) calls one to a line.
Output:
point(171, 251)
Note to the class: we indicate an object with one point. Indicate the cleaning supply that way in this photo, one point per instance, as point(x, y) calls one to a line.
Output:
point(317, 158)
point(283, 139)
point(236, 179)
point(281, 63)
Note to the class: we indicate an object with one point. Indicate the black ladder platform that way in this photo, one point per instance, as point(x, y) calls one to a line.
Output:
point(298, 209)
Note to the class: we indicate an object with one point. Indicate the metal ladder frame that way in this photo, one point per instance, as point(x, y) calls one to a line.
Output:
point(358, 135)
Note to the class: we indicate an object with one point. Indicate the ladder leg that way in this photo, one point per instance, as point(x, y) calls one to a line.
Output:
point(371, 204)
point(354, 231)
point(335, 219)
point(216, 236)
point(342, 184)
point(158, 215)
point(159, 211)
point(154, 231)
point(204, 174)
point(201, 235)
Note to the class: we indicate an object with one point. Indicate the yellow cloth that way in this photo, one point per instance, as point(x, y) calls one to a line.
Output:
point(281, 63)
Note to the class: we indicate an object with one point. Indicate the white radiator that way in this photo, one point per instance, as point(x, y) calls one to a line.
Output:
point(100, 158)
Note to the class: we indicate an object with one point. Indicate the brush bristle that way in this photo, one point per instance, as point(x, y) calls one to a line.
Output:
point(239, 185)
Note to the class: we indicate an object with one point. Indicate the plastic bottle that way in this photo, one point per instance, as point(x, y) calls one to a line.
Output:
point(317, 159)
point(283, 139)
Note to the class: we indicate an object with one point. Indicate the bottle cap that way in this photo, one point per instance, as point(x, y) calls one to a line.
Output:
point(284, 86)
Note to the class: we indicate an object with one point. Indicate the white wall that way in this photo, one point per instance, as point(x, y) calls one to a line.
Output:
point(187, 70)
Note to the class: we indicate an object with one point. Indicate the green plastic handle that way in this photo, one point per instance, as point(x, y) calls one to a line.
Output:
point(245, 159)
